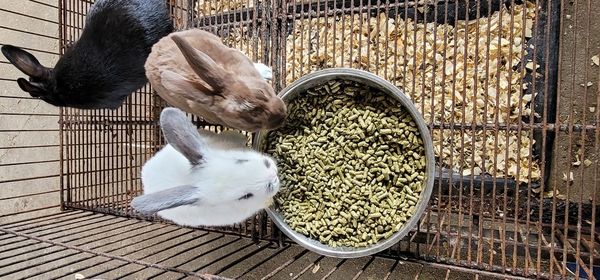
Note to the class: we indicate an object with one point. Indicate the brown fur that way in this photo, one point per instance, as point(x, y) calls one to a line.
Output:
point(194, 71)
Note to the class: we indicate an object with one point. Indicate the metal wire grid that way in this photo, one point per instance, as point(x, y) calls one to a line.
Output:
point(98, 246)
point(488, 223)
point(103, 150)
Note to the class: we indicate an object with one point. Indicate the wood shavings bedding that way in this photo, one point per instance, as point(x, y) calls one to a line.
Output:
point(238, 39)
point(207, 7)
point(478, 77)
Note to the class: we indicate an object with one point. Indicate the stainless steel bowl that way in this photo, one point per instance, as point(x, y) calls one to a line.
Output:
point(318, 78)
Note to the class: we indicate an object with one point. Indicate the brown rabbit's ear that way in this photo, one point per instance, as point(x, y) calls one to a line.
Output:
point(204, 66)
point(178, 84)
point(182, 135)
point(25, 62)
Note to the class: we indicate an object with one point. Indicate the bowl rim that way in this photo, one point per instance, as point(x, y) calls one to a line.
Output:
point(372, 80)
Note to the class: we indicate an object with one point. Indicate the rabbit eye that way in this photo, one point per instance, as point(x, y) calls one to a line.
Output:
point(246, 196)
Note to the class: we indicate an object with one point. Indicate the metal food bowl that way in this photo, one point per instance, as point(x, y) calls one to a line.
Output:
point(320, 77)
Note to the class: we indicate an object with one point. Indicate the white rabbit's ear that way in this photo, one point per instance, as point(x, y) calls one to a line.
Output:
point(150, 204)
point(178, 84)
point(203, 65)
point(182, 135)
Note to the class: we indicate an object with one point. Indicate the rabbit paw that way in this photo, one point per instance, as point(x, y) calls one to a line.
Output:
point(264, 70)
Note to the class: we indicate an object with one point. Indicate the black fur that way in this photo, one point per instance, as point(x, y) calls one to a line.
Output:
point(107, 63)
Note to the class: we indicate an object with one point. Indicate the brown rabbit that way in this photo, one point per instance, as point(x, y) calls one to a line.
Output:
point(194, 71)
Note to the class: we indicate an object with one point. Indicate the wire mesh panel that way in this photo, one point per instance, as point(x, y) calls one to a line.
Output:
point(484, 75)
point(248, 26)
point(508, 89)
point(103, 150)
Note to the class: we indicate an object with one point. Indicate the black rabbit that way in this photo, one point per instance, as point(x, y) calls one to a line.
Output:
point(106, 64)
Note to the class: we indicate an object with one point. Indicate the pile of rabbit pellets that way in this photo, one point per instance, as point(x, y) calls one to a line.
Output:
point(352, 165)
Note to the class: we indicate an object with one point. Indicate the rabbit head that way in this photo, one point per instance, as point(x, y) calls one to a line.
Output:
point(218, 83)
point(56, 86)
point(228, 183)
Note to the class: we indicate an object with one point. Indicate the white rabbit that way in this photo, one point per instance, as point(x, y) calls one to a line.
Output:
point(205, 179)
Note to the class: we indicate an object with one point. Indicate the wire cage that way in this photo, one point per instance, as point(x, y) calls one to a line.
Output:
point(509, 89)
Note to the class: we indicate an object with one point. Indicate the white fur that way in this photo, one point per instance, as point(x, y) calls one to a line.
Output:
point(264, 70)
point(220, 180)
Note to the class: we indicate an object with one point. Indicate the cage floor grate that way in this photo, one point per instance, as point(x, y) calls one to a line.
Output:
point(97, 246)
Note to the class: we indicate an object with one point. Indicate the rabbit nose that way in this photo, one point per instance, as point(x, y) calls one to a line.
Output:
point(276, 120)
point(273, 185)
point(277, 114)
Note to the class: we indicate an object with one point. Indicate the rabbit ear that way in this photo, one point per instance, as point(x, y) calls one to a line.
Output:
point(182, 135)
point(202, 64)
point(34, 89)
point(25, 62)
point(178, 84)
point(149, 204)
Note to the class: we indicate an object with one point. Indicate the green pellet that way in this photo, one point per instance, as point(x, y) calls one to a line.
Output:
point(374, 215)
point(412, 198)
point(388, 234)
point(382, 196)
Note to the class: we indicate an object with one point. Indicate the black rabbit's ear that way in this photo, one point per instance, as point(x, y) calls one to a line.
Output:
point(203, 65)
point(182, 135)
point(25, 62)
point(150, 204)
point(35, 89)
